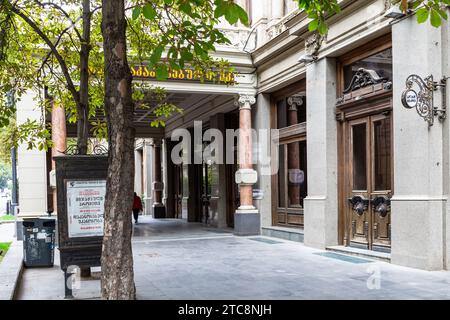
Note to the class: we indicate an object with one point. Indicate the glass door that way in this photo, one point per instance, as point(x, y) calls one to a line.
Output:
point(292, 183)
point(369, 180)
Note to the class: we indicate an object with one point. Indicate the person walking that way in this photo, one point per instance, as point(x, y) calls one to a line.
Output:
point(137, 207)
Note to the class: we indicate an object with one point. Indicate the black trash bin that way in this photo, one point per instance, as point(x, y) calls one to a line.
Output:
point(39, 242)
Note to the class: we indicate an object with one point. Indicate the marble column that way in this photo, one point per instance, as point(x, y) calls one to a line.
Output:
point(294, 154)
point(59, 135)
point(138, 159)
point(147, 154)
point(247, 220)
point(159, 210)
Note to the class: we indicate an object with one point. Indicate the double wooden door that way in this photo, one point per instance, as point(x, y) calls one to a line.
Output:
point(369, 182)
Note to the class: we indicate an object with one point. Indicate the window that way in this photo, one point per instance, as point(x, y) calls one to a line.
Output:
point(380, 62)
point(291, 111)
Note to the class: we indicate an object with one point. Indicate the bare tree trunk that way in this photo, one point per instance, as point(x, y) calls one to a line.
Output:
point(117, 257)
point(83, 107)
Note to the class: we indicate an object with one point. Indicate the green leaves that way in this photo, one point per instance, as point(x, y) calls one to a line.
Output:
point(136, 13)
point(149, 12)
point(156, 55)
point(162, 72)
point(231, 11)
point(422, 15)
point(318, 10)
point(435, 18)
point(434, 10)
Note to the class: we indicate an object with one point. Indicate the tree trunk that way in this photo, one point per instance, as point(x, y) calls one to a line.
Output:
point(117, 257)
point(83, 106)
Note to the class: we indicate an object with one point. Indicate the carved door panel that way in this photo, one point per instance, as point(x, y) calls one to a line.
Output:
point(369, 182)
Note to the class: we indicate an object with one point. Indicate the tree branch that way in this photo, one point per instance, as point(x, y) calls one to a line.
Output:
point(54, 50)
point(54, 5)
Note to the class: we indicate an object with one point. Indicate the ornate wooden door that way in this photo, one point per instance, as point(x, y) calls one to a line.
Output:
point(368, 154)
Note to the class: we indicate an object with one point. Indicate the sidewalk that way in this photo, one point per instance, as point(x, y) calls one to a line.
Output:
point(11, 265)
point(177, 260)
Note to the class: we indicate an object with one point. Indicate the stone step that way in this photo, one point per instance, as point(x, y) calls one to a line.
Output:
point(375, 255)
point(292, 234)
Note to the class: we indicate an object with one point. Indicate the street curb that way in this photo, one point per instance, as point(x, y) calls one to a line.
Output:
point(11, 269)
point(8, 221)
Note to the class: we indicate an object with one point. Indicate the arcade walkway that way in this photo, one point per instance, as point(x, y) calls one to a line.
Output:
point(177, 260)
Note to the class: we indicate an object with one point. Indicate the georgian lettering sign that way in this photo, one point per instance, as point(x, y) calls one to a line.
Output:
point(410, 98)
point(185, 75)
point(85, 207)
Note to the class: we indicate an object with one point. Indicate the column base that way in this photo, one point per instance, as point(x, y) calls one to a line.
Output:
point(247, 222)
point(159, 211)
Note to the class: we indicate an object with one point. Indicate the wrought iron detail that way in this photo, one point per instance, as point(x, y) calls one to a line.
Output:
point(359, 204)
point(99, 150)
point(419, 94)
point(95, 148)
point(364, 78)
point(72, 150)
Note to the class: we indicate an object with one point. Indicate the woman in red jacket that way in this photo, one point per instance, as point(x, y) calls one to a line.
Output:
point(137, 207)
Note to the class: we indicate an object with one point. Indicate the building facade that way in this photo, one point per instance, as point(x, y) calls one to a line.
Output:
point(358, 170)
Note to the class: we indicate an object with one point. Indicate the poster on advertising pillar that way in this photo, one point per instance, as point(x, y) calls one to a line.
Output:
point(85, 207)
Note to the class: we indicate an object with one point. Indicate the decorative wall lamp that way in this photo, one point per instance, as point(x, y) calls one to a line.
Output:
point(419, 94)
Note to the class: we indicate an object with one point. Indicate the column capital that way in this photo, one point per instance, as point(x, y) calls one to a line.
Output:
point(245, 101)
point(155, 142)
point(295, 101)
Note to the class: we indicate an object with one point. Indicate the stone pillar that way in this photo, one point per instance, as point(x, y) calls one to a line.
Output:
point(165, 176)
point(159, 211)
point(246, 221)
point(321, 204)
point(277, 9)
point(31, 165)
point(138, 159)
point(264, 183)
point(218, 202)
point(147, 152)
point(418, 211)
point(59, 135)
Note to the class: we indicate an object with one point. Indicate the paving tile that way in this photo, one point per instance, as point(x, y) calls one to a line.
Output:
point(177, 260)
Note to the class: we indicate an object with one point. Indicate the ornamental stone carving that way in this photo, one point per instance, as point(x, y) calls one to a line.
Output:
point(245, 101)
point(314, 43)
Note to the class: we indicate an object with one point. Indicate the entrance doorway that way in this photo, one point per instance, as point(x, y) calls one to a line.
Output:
point(368, 155)
point(178, 190)
point(292, 188)
point(206, 178)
